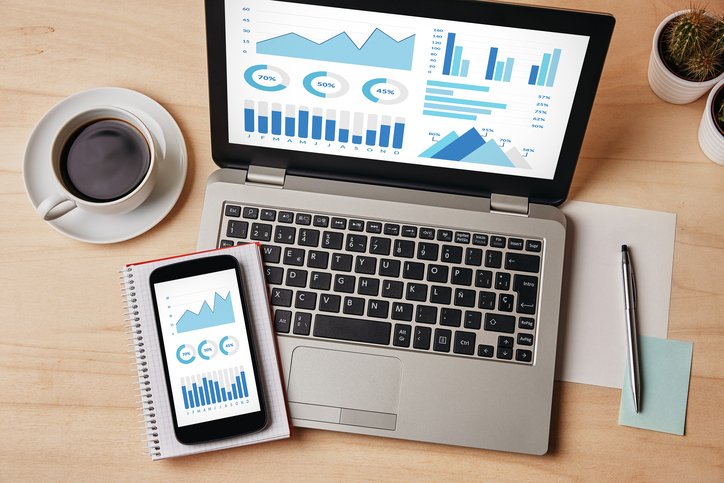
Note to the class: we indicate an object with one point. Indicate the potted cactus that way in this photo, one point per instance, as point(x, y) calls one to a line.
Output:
point(711, 128)
point(687, 57)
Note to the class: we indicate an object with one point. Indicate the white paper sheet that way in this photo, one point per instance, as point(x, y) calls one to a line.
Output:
point(592, 333)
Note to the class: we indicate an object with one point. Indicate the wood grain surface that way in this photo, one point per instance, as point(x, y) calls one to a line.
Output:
point(67, 407)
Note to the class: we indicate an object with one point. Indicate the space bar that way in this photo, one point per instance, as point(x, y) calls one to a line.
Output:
point(357, 330)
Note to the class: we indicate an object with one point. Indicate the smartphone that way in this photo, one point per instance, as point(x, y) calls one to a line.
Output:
point(207, 347)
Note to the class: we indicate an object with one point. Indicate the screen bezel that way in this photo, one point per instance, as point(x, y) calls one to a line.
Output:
point(598, 27)
point(224, 427)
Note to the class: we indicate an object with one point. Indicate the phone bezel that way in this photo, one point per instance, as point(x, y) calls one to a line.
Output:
point(218, 428)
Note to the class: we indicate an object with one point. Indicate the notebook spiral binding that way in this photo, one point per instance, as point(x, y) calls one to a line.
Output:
point(138, 356)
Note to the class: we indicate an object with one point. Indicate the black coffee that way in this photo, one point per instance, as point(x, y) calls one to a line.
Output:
point(104, 160)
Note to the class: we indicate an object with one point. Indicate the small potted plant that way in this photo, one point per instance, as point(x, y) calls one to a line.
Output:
point(687, 56)
point(711, 128)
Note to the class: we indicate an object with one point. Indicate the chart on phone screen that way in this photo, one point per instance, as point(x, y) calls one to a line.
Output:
point(207, 347)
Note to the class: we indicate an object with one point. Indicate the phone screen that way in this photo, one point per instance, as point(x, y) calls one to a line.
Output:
point(210, 364)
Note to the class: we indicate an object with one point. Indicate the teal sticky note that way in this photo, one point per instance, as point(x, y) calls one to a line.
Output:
point(665, 367)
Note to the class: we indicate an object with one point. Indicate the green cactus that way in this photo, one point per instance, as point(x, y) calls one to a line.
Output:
point(720, 114)
point(716, 37)
point(688, 33)
point(702, 65)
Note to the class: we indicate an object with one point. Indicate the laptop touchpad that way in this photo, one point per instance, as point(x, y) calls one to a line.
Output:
point(344, 387)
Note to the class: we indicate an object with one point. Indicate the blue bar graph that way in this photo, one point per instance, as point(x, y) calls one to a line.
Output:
point(454, 64)
point(330, 125)
point(452, 100)
point(492, 59)
point(214, 387)
point(449, 48)
point(545, 73)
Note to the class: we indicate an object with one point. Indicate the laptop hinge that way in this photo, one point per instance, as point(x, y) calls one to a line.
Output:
point(515, 205)
point(266, 176)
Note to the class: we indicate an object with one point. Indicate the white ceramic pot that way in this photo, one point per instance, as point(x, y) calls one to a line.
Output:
point(667, 85)
point(711, 139)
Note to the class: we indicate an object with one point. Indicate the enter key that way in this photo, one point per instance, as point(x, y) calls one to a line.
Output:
point(527, 288)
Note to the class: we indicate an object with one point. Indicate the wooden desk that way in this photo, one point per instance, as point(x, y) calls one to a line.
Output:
point(67, 406)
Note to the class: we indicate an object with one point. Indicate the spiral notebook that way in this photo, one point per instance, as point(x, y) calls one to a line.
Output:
point(156, 418)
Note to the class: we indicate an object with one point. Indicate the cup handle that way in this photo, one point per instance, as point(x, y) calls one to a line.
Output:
point(47, 209)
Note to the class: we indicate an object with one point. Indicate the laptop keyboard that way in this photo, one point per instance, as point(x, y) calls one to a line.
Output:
point(420, 288)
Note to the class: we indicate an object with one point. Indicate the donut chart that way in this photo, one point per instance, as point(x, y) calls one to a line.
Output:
point(266, 78)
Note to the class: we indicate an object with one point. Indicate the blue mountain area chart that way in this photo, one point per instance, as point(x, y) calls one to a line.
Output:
point(222, 313)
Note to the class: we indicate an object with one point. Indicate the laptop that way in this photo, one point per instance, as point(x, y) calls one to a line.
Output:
point(400, 164)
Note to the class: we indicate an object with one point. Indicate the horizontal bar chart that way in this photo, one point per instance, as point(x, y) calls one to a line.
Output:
point(454, 101)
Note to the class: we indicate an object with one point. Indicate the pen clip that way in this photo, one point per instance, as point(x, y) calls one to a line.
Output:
point(633, 285)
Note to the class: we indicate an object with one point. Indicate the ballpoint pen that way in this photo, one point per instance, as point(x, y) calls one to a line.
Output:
point(629, 291)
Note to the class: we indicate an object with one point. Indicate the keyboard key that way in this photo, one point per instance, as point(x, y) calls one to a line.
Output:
point(374, 227)
point(502, 281)
point(233, 211)
point(499, 323)
point(226, 243)
point(356, 243)
point(281, 297)
point(380, 246)
point(339, 223)
point(357, 330)
point(461, 276)
point(285, 234)
point(442, 341)
point(308, 237)
point(356, 225)
point(389, 268)
point(344, 283)
point(505, 342)
point(422, 337)
point(526, 323)
point(366, 265)
point(522, 262)
point(368, 286)
point(505, 302)
point(332, 241)
point(282, 321)
point(321, 221)
point(268, 215)
point(427, 233)
point(401, 311)
point(320, 281)
point(481, 240)
point(440, 295)
point(486, 300)
point(378, 308)
point(403, 248)
point(354, 306)
point(533, 246)
point(409, 231)
point(525, 339)
point(483, 278)
point(302, 323)
point(437, 273)
point(261, 232)
point(304, 219)
point(485, 350)
point(402, 335)
point(523, 355)
point(427, 251)
point(505, 353)
point(426, 314)
point(445, 235)
point(286, 217)
point(392, 289)
point(274, 275)
point(462, 237)
point(527, 288)
point(515, 244)
point(413, 271)
point(317, 259)
point(464, 343)
point(493, 259)
point(237, 229)
point(497, 241)
point(271, 253)
point(473, 319)
point(464, 297)
point(342, 263)
point(416, 292)
point(451, 254)
point(450, 317)
point(296, 278)
point(294, 256)
point(391, 229)
point(305, 300)
point(329, 303)
point(252, 213)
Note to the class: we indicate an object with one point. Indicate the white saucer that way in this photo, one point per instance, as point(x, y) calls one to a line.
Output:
point(172, 166)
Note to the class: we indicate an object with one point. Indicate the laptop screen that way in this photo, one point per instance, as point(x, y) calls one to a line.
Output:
point(383, 91)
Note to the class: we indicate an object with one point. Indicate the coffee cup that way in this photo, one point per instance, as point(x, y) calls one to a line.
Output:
point(103, 161)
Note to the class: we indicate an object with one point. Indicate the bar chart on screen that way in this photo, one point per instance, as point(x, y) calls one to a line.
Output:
point(215, 387)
